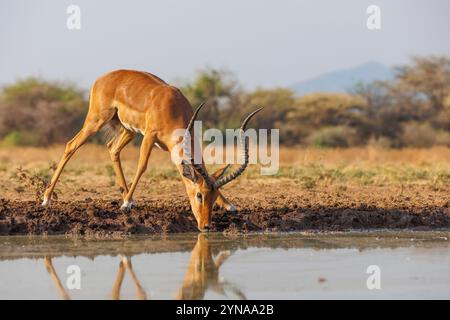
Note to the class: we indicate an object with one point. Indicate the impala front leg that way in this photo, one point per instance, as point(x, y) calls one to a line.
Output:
point(118, 283)
point(140, 292)
point(146, 148)
point(92, 125)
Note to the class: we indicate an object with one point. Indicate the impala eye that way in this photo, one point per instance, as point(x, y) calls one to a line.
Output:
point(199, 196)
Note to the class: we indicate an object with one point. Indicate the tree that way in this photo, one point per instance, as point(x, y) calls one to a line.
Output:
point(38, 112)
point(318, 110)
point(218, 88)
point(428, 77)
point(382, 118)
point(277, 103)
point(414, 101)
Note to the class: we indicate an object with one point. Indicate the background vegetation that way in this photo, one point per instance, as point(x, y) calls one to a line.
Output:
point(411, 110)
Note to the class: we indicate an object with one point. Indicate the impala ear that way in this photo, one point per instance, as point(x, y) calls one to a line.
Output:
point(219, 173)
point(188, 171)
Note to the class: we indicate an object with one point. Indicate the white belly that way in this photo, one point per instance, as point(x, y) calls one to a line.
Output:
point(131, 128)
point(129, 118)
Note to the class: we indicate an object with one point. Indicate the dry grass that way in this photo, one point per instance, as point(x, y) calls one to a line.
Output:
point(90, 174)
point(93, 153)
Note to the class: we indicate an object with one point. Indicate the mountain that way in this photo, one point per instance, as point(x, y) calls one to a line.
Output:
point(344, 79)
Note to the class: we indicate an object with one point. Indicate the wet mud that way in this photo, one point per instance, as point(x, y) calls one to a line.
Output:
point(104, 218)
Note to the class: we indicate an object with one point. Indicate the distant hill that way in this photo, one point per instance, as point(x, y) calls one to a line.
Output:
point(342, 80)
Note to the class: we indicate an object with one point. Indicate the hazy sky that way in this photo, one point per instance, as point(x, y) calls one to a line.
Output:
point(265, 42)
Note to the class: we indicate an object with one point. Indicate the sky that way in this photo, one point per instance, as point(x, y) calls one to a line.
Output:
point(264, 42)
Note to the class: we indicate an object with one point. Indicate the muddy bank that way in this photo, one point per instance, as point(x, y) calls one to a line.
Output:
point(99, 217)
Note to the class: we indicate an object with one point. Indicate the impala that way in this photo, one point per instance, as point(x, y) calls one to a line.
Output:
point(132, 102)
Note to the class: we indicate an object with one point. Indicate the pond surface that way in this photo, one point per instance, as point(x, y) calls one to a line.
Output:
point(374, 265)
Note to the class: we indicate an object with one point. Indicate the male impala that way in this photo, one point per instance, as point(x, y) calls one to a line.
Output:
point(133, 101)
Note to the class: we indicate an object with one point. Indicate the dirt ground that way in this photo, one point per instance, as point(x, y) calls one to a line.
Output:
point(316, 191)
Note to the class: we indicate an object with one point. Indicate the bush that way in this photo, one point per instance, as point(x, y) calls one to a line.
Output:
point(333, 137)
point(423, 135)
point(14, 138)
point(37, 112)
point(18, 138)
point(442, 138)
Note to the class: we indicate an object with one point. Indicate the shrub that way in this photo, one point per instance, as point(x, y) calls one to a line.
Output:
point(333, 137)
point(423, 135)
point(37, 112)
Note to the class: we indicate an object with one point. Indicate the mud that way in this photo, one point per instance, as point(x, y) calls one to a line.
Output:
point(315, 190)
point(104, 217)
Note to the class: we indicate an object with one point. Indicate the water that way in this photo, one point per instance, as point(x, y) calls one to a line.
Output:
point(274, 266)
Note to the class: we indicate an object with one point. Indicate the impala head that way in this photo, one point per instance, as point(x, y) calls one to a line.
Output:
point(202, 188)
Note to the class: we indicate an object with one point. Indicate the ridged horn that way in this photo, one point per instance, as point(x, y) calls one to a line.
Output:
point(244, 147)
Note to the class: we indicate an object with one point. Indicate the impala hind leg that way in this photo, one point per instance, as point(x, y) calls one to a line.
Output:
point(144, 154)
point(225, 203)
point(89, 128)
point(115, 146)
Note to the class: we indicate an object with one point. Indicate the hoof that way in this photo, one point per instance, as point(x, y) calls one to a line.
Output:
point(45, 202)
point(123, 259)
point(127, 205)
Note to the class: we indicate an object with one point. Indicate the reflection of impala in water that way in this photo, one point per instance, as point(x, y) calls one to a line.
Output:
point(202, 274)
point(125, 264)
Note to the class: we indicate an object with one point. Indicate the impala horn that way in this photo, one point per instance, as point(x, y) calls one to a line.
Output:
point(187, 148)
point(244, 147)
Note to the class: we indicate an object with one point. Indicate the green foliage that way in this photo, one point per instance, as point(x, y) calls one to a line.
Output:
point(31, 89)
point(19, 138)
point(38, 112)
point(14, 138)
point(217, 88)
